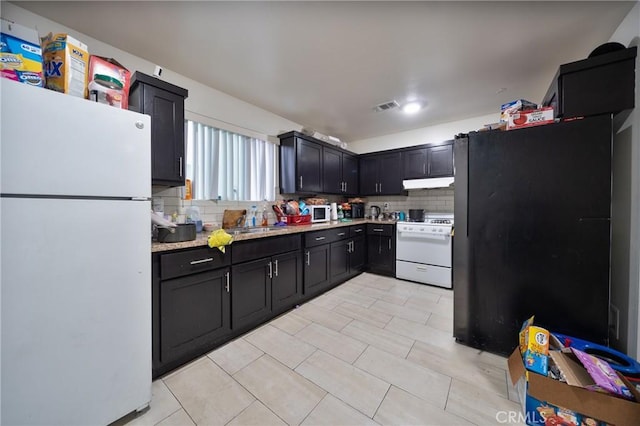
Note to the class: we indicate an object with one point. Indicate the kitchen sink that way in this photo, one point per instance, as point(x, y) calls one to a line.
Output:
point(257, 230)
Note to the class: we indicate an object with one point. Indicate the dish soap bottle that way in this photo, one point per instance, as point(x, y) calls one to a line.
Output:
point(265, 221)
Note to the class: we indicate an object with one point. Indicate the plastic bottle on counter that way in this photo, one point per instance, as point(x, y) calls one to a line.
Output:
point(265, 216)
point(254, 213)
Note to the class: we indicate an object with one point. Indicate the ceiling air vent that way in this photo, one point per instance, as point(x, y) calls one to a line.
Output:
point(386, 106)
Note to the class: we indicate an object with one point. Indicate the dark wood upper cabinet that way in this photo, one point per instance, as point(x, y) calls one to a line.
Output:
point(164, 102)
point(428, 161)
point(381, 174)
point(311, 166)
point(332, 182)
point(340, 172)
point(300, 165)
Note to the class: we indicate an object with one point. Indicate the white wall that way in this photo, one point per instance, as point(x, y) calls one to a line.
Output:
point(625, 268)
point(431, 134)
point(202, 99)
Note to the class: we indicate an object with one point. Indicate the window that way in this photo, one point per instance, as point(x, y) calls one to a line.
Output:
point(223, 165)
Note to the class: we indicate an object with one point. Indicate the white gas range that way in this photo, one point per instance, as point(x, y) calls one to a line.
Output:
point(424, 250)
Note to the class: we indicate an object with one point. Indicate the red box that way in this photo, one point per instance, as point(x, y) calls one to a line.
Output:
point(109, 71)
point(296, 220)
point(535, 117)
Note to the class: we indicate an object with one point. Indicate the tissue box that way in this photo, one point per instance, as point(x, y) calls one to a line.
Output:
point(20, 54)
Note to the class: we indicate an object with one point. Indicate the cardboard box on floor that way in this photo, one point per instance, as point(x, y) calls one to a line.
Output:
point(540, 395)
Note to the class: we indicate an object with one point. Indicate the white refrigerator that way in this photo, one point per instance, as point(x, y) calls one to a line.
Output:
point(75, 257)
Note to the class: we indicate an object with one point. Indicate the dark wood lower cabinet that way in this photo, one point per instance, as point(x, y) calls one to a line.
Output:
point(194, 313)
point(316, 269)
point(340, 260)
point(250, 292)
point(358, 255)
point(202, 298)
point(382, 254)
point(286, 284)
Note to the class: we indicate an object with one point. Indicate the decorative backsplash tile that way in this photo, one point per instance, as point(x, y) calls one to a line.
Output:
point(431, 200)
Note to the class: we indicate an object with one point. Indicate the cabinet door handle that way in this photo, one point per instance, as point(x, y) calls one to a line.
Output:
point(275, 267)
point(380, 187)
point(378, 229)
point(197, 262)
point(389, 244)
point(351, 247)
point(320, 238)
point(308, 258)
point(345, 187)
point(227, 285)
point(181, 166)
point(341, 234)
point(300, 181)
point(270, 270)
point(424, 169)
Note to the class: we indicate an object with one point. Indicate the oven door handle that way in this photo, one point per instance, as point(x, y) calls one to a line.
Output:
point(424, 236)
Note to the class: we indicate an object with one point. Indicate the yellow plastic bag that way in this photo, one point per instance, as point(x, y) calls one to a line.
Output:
point(219, 238)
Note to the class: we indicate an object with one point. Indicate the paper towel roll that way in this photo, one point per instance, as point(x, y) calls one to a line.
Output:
point(334, 211)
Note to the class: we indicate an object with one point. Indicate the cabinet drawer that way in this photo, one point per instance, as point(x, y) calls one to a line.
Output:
point(244, 251)
point(381, 229)
point(316, 238)
point(188, 262)
point(357, 230)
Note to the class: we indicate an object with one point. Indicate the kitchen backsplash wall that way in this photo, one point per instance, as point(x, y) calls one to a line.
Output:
point(438, 200)
point(431, 200)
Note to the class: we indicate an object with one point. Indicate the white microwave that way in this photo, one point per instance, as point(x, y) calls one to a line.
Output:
point(320, 213)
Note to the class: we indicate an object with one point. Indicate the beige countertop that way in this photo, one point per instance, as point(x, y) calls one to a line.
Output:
point(201, 239)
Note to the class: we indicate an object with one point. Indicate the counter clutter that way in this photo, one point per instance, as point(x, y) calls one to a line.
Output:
point(259, 232)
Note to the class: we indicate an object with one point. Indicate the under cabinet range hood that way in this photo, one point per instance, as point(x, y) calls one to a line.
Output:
point(444, 182)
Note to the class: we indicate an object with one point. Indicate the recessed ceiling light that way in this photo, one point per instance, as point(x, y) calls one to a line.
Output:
point(412, 107)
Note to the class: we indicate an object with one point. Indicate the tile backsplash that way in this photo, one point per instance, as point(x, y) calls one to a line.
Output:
point(431, 200)
point(439, 200)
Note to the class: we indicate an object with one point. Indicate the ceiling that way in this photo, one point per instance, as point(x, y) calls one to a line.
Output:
point(325, 65)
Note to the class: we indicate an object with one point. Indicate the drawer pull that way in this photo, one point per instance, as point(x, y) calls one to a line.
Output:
point(357, 230)
point(197, 262)
point(320, 238)
point(378, 230)
point(341, 234)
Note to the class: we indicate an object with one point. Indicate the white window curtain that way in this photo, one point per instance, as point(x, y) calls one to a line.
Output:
point(229, 166)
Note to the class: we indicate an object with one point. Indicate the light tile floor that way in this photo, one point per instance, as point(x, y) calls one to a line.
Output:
point(373, 350)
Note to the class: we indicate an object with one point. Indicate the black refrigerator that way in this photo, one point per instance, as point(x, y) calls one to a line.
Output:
point(532, 232)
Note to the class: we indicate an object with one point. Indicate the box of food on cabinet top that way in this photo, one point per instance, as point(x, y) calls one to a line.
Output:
point(109, 82)
point(66, 62)
point(536, 117)
point(20, 54)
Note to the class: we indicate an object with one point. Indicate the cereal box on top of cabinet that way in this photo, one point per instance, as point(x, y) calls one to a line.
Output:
point(66, 64)
point(20, 54)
